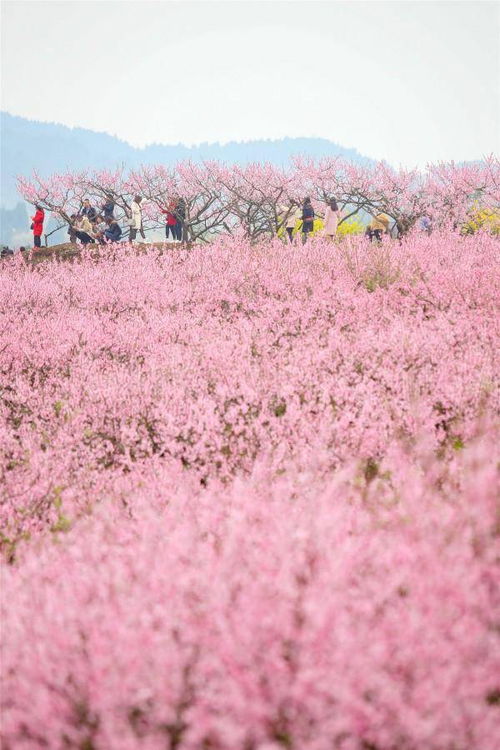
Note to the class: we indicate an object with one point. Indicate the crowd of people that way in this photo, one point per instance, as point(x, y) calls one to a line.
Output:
point(292, 214)
point(92, 225)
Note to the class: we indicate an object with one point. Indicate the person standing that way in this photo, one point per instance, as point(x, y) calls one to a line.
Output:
point(37, 225)
point(426, 224)
point(307, 219)
point(332, 218)
point(290, 216)
point(170, 220)
point(136, 220)
point(180, 215)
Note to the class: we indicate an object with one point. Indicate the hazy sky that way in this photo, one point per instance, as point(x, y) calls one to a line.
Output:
point(406, 81)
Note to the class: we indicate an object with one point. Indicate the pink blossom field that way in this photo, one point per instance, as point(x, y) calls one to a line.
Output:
point(250, 497)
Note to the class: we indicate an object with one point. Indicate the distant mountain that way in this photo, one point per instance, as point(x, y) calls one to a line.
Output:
point(27, 145)
point(49, 148)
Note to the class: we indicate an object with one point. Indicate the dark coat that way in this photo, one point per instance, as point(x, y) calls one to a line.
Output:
point(108, 209)
point(113, 232)
point(180, 211)
point(307, 217)
point(89, 212)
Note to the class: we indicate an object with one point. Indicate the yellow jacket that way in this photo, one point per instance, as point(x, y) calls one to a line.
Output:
point(380, 222)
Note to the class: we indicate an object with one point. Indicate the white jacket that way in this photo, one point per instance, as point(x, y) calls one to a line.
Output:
point(136, 216)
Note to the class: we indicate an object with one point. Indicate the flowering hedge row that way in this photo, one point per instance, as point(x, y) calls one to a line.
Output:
point(256, 200)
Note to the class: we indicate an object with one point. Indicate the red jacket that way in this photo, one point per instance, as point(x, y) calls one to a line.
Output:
point(37, 220)
point(171, 220)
